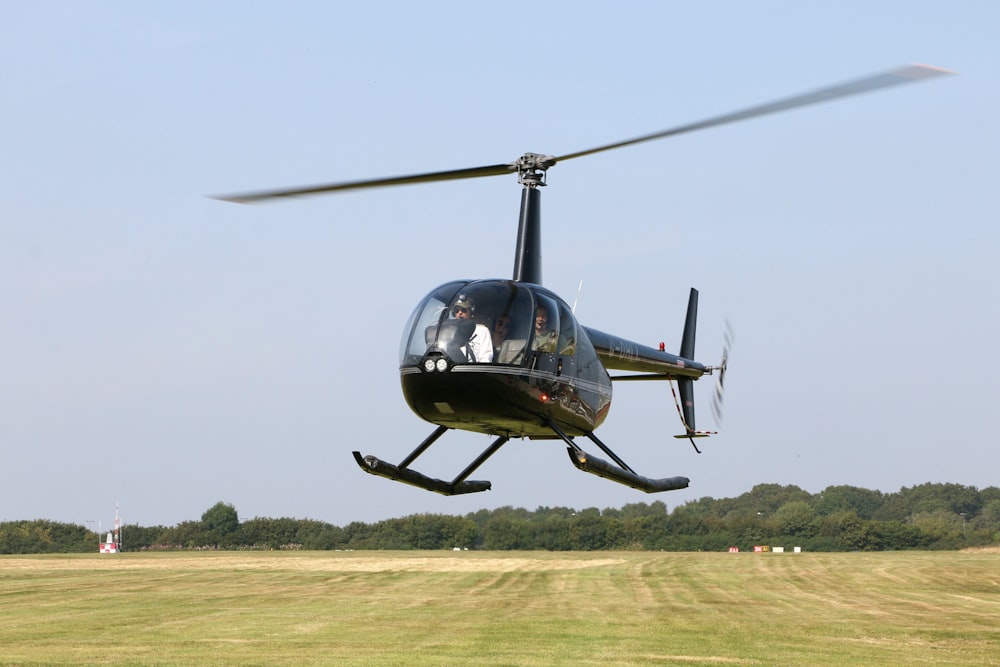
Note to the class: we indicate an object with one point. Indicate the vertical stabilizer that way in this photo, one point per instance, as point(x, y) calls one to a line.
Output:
point(690, 326)
point(686, 385)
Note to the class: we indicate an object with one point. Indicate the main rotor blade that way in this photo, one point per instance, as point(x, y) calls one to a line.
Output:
point(867, 84)
point(450, 175)
point(531, 161)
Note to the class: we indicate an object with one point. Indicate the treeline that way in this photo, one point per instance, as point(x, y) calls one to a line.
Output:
point(840, 518)
point(45, 537)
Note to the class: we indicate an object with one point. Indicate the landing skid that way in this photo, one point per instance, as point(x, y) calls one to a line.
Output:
point(619, 471)
point(403, 473)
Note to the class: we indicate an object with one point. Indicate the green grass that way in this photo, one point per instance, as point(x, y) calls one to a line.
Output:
point(511, 608)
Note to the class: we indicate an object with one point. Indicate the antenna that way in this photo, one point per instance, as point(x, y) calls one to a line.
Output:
point(578, 290)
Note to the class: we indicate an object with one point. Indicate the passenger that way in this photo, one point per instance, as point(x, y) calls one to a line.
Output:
point(567, 346)
point(479, 347)
point(545, 338)
point(501, 331)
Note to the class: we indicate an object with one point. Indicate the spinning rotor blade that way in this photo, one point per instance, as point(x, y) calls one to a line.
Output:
point(450, 175)
point(869, 83)
point(720, 382)
point(532, 162)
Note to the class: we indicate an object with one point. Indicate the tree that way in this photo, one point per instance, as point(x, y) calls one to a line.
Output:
point(835, 499)
point(42, 536)
point(853, 532)
point(897, 535)
point(795, 518)
point(271, 533)
point(767, 498)
point(929, 498)
point(221, 523)
point(136, 537)
point(940, 525)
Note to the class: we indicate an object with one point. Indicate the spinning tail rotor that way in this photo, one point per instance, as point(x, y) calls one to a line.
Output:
point(720, 381)
point(685, 405)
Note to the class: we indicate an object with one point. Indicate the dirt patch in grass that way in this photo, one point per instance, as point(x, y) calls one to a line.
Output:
point(994, 549)
point(310, 562)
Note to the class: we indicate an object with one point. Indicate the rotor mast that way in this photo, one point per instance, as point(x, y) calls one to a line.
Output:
point(531, 168)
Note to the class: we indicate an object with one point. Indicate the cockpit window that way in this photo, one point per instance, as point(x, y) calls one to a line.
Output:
point(426, 317)
point(545, 324)
point(511, 324)
point(487, 321)
point(567, 331)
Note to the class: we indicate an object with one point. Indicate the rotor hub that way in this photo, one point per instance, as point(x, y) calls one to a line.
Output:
point(531, 168)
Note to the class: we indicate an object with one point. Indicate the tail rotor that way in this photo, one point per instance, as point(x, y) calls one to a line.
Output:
point(720, 370)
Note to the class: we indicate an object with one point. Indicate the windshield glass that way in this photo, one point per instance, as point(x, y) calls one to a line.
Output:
point(486, 321)
point(425, 316)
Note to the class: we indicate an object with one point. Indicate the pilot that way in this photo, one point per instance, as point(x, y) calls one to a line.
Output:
point(479, 348)
point(545, 338)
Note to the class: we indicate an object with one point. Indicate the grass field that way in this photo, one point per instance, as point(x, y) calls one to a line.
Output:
point(511, 608)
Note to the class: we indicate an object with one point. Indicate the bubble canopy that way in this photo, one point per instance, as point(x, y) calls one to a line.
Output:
point(518, 317)
point(487, 355)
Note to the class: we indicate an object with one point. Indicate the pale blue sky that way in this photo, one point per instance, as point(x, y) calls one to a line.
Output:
point(165, 350)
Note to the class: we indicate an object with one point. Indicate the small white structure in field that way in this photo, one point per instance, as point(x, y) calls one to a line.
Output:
point(113, 544)
point(110, 545)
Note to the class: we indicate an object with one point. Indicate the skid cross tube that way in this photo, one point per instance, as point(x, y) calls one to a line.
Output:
point(621, 472)
point(487, 453)
point(403, 473)
point(607, 450)
point(422, 447)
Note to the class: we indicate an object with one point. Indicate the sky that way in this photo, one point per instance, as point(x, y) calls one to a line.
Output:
point(163, 351)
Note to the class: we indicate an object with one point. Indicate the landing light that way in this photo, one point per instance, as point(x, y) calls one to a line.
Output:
point(435, 363)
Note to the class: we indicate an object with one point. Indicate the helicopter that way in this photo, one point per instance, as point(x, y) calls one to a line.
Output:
point(508, 357)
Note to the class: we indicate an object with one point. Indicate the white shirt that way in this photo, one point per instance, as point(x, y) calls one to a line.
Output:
point(480, 346)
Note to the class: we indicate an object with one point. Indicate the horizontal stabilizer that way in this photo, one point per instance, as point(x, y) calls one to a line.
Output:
point(602, 468)
point(376, 466)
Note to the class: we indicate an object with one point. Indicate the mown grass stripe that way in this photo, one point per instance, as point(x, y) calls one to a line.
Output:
point(489, 608)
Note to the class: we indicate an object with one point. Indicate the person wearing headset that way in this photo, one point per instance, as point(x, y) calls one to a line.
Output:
point(479, 348)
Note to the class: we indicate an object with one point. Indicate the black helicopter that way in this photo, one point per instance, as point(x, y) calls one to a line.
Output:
point(508, 358)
